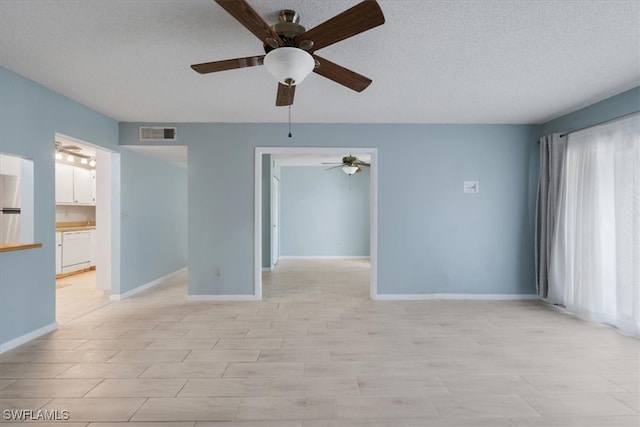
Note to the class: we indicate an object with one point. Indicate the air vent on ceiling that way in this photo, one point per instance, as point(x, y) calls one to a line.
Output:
point(153, 133)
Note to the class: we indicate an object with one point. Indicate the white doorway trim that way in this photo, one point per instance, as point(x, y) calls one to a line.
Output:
point(107, 215)
point(275, 220)
point(373, 188)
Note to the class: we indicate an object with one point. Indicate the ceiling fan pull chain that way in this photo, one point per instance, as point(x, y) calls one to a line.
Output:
point(289, 121)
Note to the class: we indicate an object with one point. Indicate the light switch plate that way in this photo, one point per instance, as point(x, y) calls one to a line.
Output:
point(471, 186)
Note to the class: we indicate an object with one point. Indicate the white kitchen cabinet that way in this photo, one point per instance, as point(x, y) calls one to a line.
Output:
point(64, 184)
point(74, 185)
point(58, 252)
point(94, 248)
point(93, 186)
point(82, 187)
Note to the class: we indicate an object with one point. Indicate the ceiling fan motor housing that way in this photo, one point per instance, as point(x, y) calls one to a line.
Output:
point(288, 29)
point(349, 160)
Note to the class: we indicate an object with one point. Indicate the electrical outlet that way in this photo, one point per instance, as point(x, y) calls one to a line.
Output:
point(218, 272)
point(471, 187)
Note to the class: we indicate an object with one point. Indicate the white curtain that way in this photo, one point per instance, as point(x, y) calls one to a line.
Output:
point(595, 256)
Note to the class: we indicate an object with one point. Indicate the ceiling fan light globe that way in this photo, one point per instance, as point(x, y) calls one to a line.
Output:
point(350, 170)
point(289, 65)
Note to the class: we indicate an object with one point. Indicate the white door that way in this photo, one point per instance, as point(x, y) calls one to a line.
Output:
point(275, 221)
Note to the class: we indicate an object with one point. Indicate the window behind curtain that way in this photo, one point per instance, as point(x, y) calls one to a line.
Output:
point(595, 258)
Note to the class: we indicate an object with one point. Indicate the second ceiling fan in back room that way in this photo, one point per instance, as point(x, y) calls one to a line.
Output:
point(350, 165)
point(290, 48)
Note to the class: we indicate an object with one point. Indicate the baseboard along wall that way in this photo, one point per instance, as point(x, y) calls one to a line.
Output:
point(11, 344)
point(134, 291)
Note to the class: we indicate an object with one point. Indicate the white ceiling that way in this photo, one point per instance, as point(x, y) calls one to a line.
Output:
point(492, 61)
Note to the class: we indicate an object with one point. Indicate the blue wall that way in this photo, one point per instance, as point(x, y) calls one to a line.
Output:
point(432, 237)
point(30, 115)
point(266, 210)
point(617, 106)
point(154, 221)
point(324, 212)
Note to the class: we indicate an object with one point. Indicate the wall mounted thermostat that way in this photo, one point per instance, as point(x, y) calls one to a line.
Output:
point(471, 187)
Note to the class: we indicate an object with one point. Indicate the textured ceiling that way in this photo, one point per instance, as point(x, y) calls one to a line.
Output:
point(432, 62)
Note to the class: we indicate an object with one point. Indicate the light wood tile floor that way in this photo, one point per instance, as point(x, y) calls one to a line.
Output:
point(316, 352)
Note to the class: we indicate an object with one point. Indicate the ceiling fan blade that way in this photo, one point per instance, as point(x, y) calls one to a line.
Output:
point(360, 18)
point(228, 64)
point(361, 163)
point(285, 95)
point(341, 75)
point(247, 16)
point(339, 166)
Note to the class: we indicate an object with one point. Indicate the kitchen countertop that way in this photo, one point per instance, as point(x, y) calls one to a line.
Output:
point(76, 226)
point(10, 247)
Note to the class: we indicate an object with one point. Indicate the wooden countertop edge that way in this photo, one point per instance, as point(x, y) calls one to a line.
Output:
point(10, 247)
point(84, 228)
point(71, 224)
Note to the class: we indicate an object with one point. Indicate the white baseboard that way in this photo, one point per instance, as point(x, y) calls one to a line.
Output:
point(267, 268)
point(423, 297)
point(132, 292)
point(324, 257)
point(11, 344)
point(222, 298)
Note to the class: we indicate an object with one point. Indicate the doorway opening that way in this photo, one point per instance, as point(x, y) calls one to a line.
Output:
point(87, 207)
point(267, 212)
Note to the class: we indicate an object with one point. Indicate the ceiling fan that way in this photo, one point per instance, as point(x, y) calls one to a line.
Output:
point(290, 48)
point(350, 165)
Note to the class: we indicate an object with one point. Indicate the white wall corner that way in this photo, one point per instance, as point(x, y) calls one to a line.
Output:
point(119, 297)
point(23, 339)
